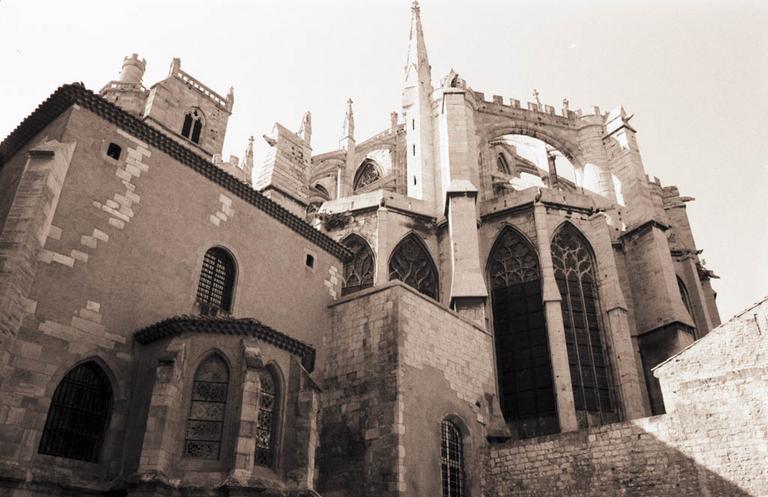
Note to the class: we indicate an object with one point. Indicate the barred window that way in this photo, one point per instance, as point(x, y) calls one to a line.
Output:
point(576, 280)
point(266, 422)
point(358, 273)
point(79, 414)
point(523, 362)
point(217, 280)
point(451, 460)
point(205, 424)
point(411, 264)
point(193, 126)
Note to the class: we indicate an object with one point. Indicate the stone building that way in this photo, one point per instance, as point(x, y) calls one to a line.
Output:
point(471, 320)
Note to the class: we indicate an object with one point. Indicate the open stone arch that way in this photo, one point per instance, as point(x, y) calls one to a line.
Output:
point(564, 141)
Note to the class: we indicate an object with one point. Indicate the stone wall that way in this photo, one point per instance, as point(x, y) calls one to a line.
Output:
point(713, 441)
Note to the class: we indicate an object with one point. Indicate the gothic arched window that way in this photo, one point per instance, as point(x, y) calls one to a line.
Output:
point(208, 405)
point(366, 174)
point(79, 414)
point(193, 126)
point(266, 421)
point(358, 273)
point(411, 264)
point(684, 295)
point(451, 460)
point(217, 280)
point(576, 280)
point(501, 164)
point(523, 361)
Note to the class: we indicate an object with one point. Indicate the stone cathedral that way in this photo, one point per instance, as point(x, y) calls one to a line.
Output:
point(488, 298)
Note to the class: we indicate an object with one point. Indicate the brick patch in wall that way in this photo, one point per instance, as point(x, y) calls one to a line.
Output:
point(225, 212)
point(332, 283)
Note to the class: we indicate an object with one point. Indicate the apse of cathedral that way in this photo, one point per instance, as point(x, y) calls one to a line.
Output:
point(490, 297)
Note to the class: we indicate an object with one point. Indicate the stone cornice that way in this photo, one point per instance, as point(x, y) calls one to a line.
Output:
point(76, 94)
point(178, 325)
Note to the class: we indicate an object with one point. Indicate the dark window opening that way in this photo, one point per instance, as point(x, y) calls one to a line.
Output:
point(526, 389)
point(310, 261)
point(193, 126)
point(217, 280)
point(413, 123)
point(266, 421)
point(414, 149)
point(207, 408)
point(576, 279)
point(114, 151)
point(358, 273)
point(451, 460)
point(79, 414)
point(412, 264)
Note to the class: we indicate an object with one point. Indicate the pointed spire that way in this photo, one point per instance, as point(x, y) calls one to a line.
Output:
point(417, 64)
point(247, 162)
point(349, 122)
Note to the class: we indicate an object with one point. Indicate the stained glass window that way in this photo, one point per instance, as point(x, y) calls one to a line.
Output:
point(451, 460)
point(358, 273)
point(576, 280)
point(217, 279)
point(266, 421)
point(366, 174)
point(79, 414)
point(205, 424)
point(523, 361)
point(411, 264)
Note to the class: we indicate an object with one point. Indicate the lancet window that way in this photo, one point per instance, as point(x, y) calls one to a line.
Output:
point(193, 126)
point(451, 460)
point(266, 422)
point(587, 356)
point(208, 405)
point(358, 273)
point(411, 264)
point(522, 348)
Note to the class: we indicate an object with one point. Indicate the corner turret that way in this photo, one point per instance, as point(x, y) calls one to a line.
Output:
point(128, 92)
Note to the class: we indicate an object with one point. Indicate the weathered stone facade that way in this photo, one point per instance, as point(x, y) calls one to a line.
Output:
point(323, 324)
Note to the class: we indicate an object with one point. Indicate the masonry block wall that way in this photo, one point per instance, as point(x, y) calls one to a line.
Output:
point(110, 257)
point(713, 441)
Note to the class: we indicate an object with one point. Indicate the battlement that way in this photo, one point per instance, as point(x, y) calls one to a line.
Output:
point(564, 115)
point(222, 102)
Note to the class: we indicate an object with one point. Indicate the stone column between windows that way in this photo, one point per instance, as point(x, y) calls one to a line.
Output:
point(617, 330)
point(164, 419)
point(245, 444)
point(561, 371)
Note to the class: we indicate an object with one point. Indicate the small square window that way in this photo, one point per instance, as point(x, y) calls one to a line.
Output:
point(310, 261)
point(114, 150)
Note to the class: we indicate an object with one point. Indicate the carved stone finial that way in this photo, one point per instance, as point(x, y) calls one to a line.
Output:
point(536, 96)
point(565, 104)
point(415, 6)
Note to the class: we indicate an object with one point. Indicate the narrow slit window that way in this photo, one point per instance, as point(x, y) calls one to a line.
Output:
point(266, 421)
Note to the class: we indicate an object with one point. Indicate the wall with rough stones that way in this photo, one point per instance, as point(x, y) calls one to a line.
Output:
point(403, 363)
point(121, 248)
point(712, 442)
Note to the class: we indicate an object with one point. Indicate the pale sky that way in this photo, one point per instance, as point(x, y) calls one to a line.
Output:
point(694, 74)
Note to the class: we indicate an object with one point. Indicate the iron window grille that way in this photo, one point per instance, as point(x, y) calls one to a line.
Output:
point(451, 460)
point(217, 279)
point(79, 415)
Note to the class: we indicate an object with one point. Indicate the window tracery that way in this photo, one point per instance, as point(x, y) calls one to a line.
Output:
point(79, 414)
point(205, 423)
point(526, 391)
point(576, 280)
point(366, 174)
point(266, 421)
point(411, 264)
point(358, 273)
